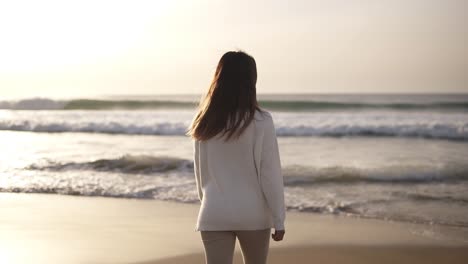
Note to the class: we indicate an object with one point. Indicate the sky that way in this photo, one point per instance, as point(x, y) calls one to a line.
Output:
point(86, 48)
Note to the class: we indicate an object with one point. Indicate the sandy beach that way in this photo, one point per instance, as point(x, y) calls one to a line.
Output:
point(113, 121)
point(44, 228)
point(346, 254)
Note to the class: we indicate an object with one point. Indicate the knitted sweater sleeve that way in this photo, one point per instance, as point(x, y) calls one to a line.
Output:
point(196, 168)
point(271, 177)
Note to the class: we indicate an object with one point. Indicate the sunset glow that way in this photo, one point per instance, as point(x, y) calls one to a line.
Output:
point(84, 48)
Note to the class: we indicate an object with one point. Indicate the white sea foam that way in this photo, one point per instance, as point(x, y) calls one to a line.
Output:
point(378, 123)
point(308, 190)
point(295, 175)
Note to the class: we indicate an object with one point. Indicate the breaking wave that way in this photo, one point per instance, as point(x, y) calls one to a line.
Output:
point(296, 105)
point(360, 192)
point(429, 129)
point(143, 164)
point(294, 175)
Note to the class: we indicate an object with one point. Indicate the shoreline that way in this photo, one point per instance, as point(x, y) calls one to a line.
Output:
point(344, 254)
point(55, 228)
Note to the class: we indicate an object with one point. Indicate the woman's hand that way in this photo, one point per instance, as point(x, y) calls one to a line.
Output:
point(278, 235)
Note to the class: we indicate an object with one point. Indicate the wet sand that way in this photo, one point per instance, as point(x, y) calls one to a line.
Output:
point(50, 228)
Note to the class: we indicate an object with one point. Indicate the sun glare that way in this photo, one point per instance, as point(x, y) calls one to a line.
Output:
point(38, 35)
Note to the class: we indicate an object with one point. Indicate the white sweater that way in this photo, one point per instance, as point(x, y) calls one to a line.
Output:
point(240, 184)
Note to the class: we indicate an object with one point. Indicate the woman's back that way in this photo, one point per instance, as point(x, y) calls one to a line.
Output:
point(239, 181)
point(237, 165)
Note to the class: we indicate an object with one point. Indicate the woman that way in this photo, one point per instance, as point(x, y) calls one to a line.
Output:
point(237, 166)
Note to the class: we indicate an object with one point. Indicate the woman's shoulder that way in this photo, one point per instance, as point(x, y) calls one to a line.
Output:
point(262, 115)
point(263, 120)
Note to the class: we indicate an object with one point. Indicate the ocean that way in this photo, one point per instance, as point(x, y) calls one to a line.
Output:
point(395, 157)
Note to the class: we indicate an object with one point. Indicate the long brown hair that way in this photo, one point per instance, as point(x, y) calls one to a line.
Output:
point(231, 99)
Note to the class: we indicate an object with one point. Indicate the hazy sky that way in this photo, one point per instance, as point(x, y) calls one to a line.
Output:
point(83, 48)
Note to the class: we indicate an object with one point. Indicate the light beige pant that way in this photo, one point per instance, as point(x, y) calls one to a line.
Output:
point(219, 246)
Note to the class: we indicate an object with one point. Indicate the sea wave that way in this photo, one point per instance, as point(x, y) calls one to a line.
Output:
point(294, 175)
point(431, 129)
point(374, 193)
point(296, 105)
point(302, 176)
point(143, 164)
point(179, 187)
